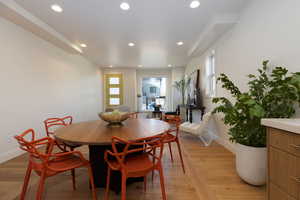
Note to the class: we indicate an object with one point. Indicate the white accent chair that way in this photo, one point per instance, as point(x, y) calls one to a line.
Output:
point(205, 130)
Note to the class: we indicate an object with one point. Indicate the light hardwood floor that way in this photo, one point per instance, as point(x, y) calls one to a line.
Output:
point(210, 175)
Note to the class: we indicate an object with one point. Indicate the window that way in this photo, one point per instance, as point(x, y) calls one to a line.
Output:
point(114, 89)
point(211, 75)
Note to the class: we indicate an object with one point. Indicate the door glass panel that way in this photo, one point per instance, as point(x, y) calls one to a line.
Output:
point(114, 101)
point(114, 91)
point(114, 80)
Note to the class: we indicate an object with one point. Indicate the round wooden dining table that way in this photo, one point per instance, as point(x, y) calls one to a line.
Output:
point(98, 136)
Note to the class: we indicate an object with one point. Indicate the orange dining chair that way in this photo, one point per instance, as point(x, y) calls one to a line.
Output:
point(52, 124)
point(174, 121)
point(135, 161)
point(49, 164)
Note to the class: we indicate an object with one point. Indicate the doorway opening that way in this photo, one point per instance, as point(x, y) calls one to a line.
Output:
point(154, 93)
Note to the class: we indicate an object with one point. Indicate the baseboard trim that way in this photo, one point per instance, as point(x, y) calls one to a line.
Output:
point(10, 155)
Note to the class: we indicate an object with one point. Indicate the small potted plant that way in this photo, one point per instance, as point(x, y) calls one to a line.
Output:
point(270, 95)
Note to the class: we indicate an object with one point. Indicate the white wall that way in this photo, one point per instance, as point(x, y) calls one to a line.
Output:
point(129, 84)
point(267, 29)
point(38, 81)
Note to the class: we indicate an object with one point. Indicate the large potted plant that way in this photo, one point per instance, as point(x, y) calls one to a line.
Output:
point(270, 95)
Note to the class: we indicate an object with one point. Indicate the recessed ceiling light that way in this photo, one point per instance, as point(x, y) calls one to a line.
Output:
point(131, 44)
point(140, 65)
point(169, 65)
point(83, 45)
point(56, 8)
point(125, 6)
point(180, 43)
point(195, 4)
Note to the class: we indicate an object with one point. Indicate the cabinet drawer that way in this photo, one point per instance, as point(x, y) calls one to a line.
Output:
point(294, 144)
point(277, 194)
point(284, 171)
point(293, 187)
point(279, 139)
point(285, 141)
point(278, 168)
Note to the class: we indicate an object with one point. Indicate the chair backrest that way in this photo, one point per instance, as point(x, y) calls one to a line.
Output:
point(157, 108)
point(24, 143)
point(146, 145)
point(52, 124)
point(31, 146)
point(174, 120)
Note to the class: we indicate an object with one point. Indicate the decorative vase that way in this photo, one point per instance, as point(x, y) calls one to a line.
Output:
point(114, 119)
point(251, 164)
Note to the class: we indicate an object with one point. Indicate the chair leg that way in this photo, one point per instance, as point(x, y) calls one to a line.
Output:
point(73, 179)
point(26, 181)
point(154, 153)
point(107, 184)
point(171, 154)
point(92, 182)
point(47, 148)
point(180, 154)
point(41, 186)
point(123, 186)
point(162, 183)
point(145, 183)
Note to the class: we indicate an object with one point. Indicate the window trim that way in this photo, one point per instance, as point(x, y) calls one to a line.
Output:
point(108, 86)
point(211, 75)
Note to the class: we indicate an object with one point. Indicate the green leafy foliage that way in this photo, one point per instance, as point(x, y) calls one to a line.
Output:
point(270, 95)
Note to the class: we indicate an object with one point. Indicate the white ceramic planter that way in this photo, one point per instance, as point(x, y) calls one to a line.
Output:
point(251, 164)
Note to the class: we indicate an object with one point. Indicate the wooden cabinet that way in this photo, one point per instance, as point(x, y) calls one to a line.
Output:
point(283, 165)
point(277, 194)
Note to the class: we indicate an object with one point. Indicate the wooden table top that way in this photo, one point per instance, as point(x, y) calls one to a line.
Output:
point(97, 133)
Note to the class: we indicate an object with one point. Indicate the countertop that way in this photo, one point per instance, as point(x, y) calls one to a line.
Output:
point(291, 125)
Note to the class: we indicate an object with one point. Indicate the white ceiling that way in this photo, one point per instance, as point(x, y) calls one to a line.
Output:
point(153, 25)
